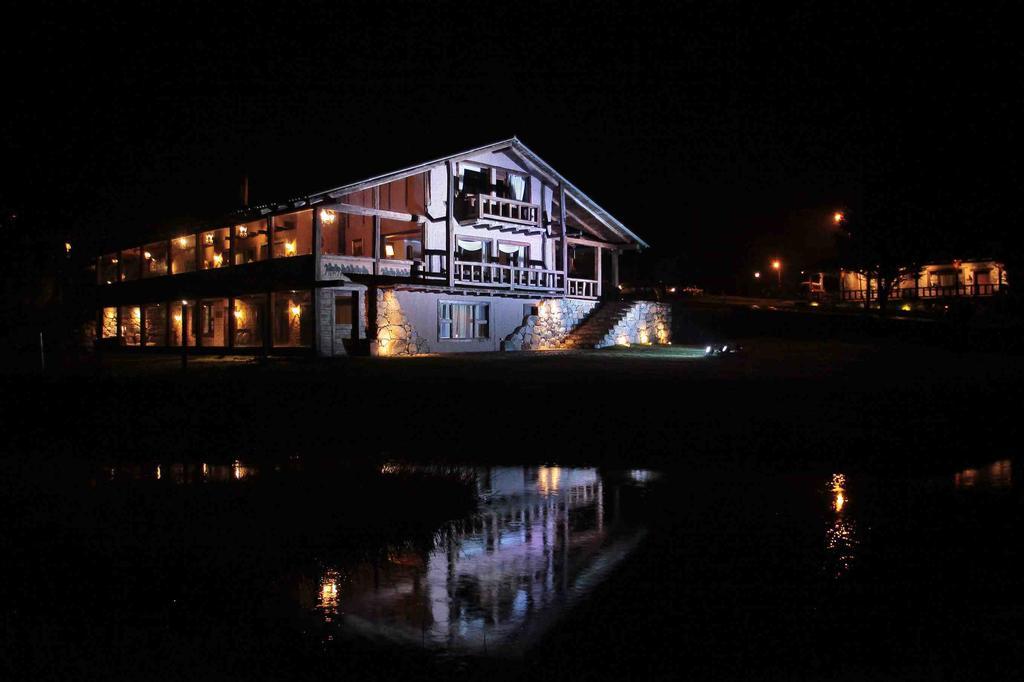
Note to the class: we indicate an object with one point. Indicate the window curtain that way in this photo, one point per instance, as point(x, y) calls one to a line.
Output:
point(509, 248)
point(468, 245)
point(517, 183)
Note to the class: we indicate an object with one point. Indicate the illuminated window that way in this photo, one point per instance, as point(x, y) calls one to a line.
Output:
point(156, 325)
point(251, 242)
point(212, 319)
point(130, 260)
point(462, 320)
point(154, 259)
point(183, 254)
point(293, 234)
point(293, 319)
point(249, 312)
point(181, 318)
point(108, 325)
point(108, 269)
point(131, 325)
point(215, 248)
point(401, 240)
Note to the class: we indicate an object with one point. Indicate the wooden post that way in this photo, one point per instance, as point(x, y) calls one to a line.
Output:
point(269, 223)
point(615, 270)
point(565, 239)
point(184, 334)
point(376, 232)
point(598, 251)
point(450, 224)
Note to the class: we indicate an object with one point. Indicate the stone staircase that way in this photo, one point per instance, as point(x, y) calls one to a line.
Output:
point(599, 330)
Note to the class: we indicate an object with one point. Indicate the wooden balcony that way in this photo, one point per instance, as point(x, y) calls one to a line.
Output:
point(486, 207)
point(508, 276)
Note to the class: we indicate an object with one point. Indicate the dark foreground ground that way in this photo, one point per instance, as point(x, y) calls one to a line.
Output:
point(739, 576)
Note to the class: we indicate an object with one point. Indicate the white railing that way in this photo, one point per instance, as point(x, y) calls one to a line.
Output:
point(586, 288)
point(486, 207)
point(508, 276)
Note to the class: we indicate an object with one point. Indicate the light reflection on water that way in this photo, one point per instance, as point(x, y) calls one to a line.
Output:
point(998, 474)
point(841, 541)
point(541, 538)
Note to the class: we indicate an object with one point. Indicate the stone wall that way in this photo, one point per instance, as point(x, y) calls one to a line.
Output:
point(647, 322)
point(554, 320)
point(395, 334)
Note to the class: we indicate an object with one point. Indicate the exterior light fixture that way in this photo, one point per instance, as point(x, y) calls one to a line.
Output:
point(183, 242)
point(757, 275)
point(147, 255)
point(208, 239)
point(327, 217)
point(389, 250)
point(296, 310)
point(838, 217)
point(289, 248)
point(776, 264)
point(242, 230)
point(218, 260)
point(67, 247)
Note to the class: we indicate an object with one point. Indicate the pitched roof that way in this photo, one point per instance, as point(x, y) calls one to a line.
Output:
point(603, 222)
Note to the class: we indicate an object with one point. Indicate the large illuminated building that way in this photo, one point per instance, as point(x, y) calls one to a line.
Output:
point(487, 249)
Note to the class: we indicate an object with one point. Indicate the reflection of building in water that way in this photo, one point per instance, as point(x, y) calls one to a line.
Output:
point(492, 580)
point(841, 535)
point(995, 475)
point(179, 472)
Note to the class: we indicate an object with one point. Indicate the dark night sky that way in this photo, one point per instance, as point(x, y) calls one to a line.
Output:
point(720, 132)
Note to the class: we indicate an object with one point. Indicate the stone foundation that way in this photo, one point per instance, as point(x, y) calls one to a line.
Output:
point(395, 334)
point(555, 319)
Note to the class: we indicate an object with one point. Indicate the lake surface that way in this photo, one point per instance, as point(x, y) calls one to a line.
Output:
point(152, 567)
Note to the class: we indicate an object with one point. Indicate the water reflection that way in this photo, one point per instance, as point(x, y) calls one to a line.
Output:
point(841, 540)
point(180, 473)
point(542, 537)
point(998, 474)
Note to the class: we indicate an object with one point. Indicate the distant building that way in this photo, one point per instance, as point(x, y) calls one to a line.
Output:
point(957, 279)
point(486, 249)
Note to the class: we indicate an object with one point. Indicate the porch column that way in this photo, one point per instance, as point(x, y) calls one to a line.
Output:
point(450, 224)
point(598, 254)
point(565, 239)
point(376, 232)
point(615, 269)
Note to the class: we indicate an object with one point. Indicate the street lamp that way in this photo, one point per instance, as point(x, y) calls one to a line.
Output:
point(838, 217)
point(777, 267)
point(757, 275)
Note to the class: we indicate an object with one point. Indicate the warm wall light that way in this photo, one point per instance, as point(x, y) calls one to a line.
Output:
point(242, 230)
point(208, 239)
point(757, 275)
point(289, 248)
point(218, 260)
point(296, 310)
point(327, 217)
point(838, 217)
point(147, 255)
point(67, 247)
point(389, 250)
point(183, 242)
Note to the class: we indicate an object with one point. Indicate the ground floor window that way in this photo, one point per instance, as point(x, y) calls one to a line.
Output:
point(249, 311)
point(182, 317)
point(108, 325)
point(156, 324)
point(293, 319)
point(463, 320)
point(213, 322)
point(131, 324)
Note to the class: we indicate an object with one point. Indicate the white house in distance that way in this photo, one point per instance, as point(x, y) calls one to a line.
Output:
point(487, 249)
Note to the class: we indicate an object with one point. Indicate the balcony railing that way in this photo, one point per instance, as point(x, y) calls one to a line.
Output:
point(487, 207)
point(949, 291)
point(508, 276)
point(583, 288)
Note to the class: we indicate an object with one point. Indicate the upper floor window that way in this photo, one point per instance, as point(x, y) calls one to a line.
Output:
point(130, 261)
point(293, 234)
point(183, 254)
point(513, 253)
point(251, 243)
point(154, 259)
point(215, 248)
point(108, 268)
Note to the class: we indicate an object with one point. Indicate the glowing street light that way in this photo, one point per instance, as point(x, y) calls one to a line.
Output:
point(838, 217)
point(757, 275)
point(777, 267)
